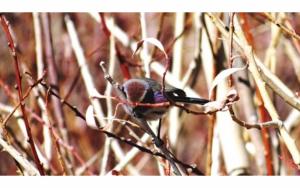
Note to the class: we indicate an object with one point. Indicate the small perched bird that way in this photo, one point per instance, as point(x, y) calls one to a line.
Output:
point(149, 91)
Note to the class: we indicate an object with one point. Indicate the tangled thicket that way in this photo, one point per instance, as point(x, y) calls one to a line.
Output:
point(51, 65)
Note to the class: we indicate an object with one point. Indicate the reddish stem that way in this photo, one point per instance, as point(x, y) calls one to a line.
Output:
point(104, 26)
point(59, 141)
point(52, 70)
point(123, 63)
point(230, 59)
point(11, 44)
point(263, 114)
point(246, 28)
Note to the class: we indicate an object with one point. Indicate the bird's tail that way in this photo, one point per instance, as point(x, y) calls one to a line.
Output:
point(190, 100)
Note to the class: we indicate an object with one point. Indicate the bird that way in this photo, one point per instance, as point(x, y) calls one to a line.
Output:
point(149, 91)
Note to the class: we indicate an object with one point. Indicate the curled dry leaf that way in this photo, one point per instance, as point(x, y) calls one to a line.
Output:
point(152, 41)
point(223, 75)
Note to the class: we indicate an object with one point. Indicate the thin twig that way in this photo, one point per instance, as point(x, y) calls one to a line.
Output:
point(294, 56)
point(285, 29)
point(255, 67)
point(40, 69)
point(208, 55)
point(57, 139)
point(145, 56)
point(24, 97)
point(141, 122)
point(230, 42)
point(264, 155)
point(11, 44)
point(175, 124)
point(52, 71)
point(73, 108)
point(85, 73)
point(30, 169)
point(53, 81)
point(108, 90)
point(259, 126)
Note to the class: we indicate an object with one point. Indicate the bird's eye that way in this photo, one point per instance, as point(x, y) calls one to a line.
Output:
point(123, 91)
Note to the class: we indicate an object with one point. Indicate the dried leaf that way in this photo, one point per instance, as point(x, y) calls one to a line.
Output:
point(154, 42)
point(223, 75)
